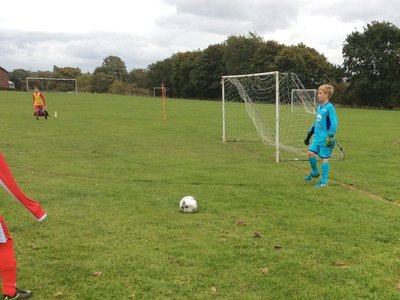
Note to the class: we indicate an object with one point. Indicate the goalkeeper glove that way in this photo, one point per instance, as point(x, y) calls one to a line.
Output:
point(330, 140)
point(307, 139)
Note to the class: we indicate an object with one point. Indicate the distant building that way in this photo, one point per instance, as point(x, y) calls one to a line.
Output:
point(4, 79)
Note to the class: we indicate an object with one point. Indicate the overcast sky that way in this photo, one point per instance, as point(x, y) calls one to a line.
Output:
point(36, 35)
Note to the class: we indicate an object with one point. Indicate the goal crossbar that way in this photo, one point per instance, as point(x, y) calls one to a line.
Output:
point(249, 75)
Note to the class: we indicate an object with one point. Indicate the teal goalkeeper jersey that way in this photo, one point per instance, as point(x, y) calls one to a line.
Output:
point(325, 122)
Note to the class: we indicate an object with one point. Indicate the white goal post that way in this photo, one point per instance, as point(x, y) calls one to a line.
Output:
point(159, 88)
point(42, 79)
point(274, 107)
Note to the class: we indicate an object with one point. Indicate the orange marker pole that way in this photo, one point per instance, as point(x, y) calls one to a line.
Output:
point(163, 101)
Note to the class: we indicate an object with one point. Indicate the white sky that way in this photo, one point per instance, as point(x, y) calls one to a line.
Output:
point(38, 34)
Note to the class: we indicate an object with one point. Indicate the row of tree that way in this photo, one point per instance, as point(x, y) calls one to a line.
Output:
point(371, 67)
point(110, 77)
point(369, 76)
point(197, 74)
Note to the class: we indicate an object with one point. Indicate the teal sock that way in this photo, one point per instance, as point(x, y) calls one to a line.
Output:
point(325, 172)
point(313, 164)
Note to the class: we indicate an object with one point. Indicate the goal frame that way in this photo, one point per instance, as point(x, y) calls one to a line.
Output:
point(303, 90)
point(51, 78)
point(276, 74)
point(275, 98)
point(160, 88)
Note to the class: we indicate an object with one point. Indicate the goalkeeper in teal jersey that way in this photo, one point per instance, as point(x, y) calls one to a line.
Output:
point(324, 130)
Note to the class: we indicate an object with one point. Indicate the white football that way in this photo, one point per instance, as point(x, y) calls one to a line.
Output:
point(188, 204)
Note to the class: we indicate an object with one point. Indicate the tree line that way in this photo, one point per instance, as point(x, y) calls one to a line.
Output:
point(369, 76)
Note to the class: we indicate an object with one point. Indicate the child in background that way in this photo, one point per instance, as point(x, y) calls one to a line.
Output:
point(39, 103)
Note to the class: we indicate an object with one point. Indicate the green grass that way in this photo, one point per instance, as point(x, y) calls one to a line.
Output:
point(110, 172)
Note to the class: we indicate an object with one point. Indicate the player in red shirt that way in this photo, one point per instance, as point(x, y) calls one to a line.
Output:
point(38, 102)
point(8, 263)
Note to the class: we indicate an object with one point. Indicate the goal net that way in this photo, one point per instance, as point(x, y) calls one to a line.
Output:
point(68, 85)
point(274, 107)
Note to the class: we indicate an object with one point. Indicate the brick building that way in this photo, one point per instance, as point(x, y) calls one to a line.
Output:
point(4, 79)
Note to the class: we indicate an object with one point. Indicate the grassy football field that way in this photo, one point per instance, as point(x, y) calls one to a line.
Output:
point(110, 172)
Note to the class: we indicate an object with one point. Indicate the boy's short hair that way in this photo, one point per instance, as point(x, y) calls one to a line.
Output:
point(328, 89)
